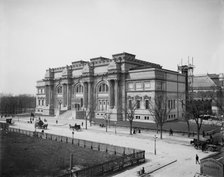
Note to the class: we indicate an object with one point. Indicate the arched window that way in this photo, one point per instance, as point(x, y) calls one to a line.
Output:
point(103, 88)
point(60, 90)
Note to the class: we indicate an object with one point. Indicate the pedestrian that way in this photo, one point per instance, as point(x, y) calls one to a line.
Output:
point(171, 132)
point(139, 130)
point(82, 124)
point(56, 121)
point(197, 159)
point(203, 133)
point(143, 170)
point(134, 131)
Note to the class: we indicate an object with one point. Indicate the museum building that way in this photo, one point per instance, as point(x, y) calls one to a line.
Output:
point(108, 86)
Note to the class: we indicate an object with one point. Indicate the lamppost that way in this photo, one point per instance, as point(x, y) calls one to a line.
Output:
point(115, 127)
point(155, 137)
point(106, 120)
point(72, 137)
point(85, 109)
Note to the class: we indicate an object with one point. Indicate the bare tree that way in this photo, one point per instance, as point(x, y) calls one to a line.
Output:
point(197, 108)
point(130, 112)
point(17, 104)
point(158, 109)
point(187, 115)
point(107, 118)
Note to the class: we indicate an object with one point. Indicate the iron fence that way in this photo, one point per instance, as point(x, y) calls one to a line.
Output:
point(127, 156)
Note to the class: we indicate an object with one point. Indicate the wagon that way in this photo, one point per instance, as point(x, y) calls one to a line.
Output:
point(41, 125)
point(76, 127)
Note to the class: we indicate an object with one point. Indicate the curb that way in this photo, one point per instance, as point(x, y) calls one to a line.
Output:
point(146, 174)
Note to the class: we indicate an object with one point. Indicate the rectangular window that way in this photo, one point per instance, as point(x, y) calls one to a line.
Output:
point(146, 104)
point(138, 104)
point(42, 102)
point(171, 104)
point(130, 104)
point(147, 85)
point(137, 117)
point(146, 118)
point(38, 102)
point(139, 86)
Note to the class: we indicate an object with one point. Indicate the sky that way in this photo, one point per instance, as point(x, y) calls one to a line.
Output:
point(39, 34)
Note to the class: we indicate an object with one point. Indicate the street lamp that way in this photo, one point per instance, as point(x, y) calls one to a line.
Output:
point(115, 127)
point(72, 137)
point(155, 137)
point(85, 109)
point(106, 120)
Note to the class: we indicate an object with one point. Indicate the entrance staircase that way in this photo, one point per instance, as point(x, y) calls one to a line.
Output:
point(65, 115)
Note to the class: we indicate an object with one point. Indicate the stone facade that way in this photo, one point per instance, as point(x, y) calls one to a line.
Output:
point(104, 85)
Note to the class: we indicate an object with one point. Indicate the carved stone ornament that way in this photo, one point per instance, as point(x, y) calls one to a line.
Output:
point(130, 98)
point(146, 97)
point(86, 69)
point(65, 71)
point(112, 65)
point(138, 97)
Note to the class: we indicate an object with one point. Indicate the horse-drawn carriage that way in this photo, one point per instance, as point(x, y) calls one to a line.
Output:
point(206, 145)
point(75, 127)
point(9, 121)
point(40, 124)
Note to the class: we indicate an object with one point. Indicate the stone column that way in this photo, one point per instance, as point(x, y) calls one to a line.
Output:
point(90, 94)
point(51, 99)
point(90, 101)
point(47, 96)
point(85, 95)
point(64, 95)
point(69, 94)
point(111, 96)
point(116, 94)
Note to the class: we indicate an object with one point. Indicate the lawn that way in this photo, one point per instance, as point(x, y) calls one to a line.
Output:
point(21, 155)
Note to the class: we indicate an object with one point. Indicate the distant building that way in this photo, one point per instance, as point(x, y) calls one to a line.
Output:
point(213, 165)
point(209, 88)
point(104, 85)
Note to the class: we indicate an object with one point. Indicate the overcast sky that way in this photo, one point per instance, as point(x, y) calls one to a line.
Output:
point(38, 34)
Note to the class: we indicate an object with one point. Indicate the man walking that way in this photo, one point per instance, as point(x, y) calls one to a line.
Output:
point(197, 159)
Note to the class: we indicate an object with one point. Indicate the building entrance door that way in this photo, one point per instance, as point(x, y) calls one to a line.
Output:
point(77, 107)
